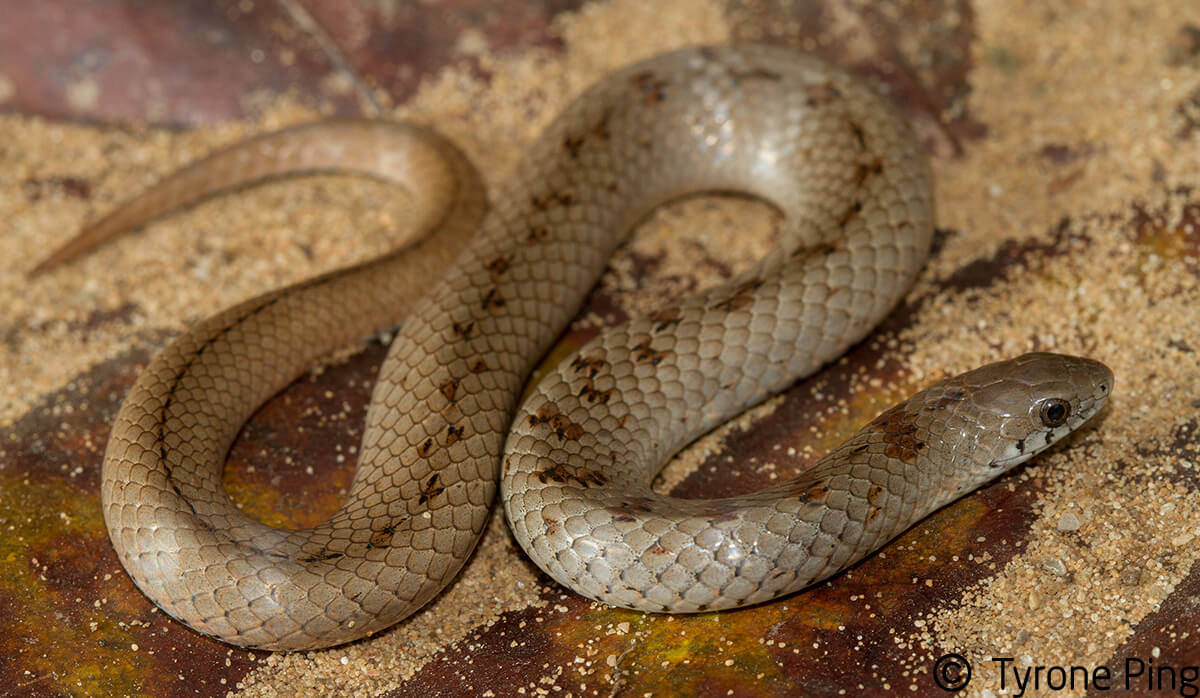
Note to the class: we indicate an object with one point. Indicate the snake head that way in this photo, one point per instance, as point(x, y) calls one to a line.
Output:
point(1026, 404)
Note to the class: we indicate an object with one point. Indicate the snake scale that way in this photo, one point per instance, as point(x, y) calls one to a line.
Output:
point(490, 288)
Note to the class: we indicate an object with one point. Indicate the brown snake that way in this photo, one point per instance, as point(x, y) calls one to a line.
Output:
point(854, 187)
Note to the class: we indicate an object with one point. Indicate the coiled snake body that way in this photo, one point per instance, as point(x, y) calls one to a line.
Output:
point(854, 187)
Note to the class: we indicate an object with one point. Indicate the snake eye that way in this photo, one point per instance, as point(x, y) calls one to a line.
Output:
point(1054, 412)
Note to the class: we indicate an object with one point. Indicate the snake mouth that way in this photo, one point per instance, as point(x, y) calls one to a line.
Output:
point(1022, 450)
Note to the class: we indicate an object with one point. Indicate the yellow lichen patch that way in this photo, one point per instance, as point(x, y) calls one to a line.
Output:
point(64, 620)
point(671, 655)
point(285, 509)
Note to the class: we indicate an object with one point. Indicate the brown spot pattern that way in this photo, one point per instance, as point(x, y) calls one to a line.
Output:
point(600, 130)
point(498, 265)
point(563, 427)
point(945, 401)
point(591, 365)
point(493, 300)
point(425, 448)
point(592, 395)
point(860, 136)
point(642, 353)
point(321, 556)
point(536, 233)
point(865, 170)
point(899, 430)
point(572, 145)
point(545, 202)
point(743, 296)
point(582, 476)
point(654, 90)
point(383, 537)
point(666, 318)
point(430, 489)
point(822, 250)
point(625, 510)
point(850, 214)
point(808, 491)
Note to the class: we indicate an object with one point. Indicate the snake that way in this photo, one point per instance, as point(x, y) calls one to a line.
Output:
point(483, 295)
